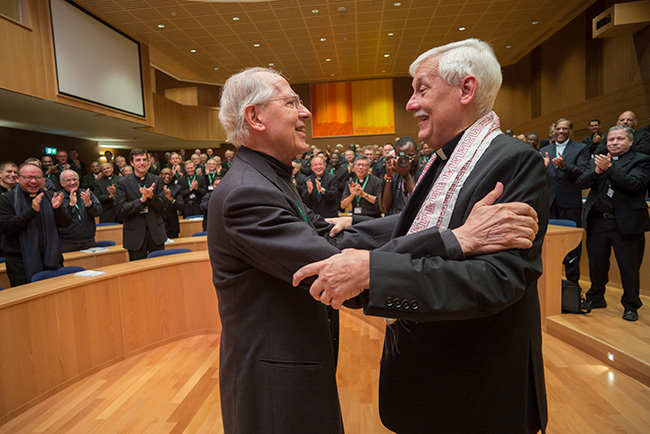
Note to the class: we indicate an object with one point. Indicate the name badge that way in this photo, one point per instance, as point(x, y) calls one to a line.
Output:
point(610, 192)
point(192, 196)
point(145, 210)
point(357, 210)
point(211, 188)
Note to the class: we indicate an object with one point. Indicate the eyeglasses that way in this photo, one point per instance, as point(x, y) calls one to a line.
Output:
point(31, 178)
point(297, 102)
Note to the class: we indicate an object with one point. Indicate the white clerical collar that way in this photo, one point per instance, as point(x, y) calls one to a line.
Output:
point(441, 154)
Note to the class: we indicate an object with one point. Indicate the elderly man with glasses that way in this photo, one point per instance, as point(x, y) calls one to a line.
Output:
point(279, 345)
point(29, 218)
point(83, 207)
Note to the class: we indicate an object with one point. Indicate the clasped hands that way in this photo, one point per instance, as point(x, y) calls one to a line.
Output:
point(489, 228)
point(147, 192)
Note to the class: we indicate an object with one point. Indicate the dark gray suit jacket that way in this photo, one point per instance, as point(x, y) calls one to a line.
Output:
point(130, 208)
point(562, 188)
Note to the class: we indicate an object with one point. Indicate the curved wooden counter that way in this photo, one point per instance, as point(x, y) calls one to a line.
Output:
point(58, 331)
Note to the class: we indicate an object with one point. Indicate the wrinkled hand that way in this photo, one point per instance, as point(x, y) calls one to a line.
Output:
point(558, 161)
point(73, 197)
point(356, 189)
point(36, 202)
point(85, 196)
point(111, 190)
point(340, 224)
point(57, 200)
point(603, 162)
point(341, 277)
point(492, 228)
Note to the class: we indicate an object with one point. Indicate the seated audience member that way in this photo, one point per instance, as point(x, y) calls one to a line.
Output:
point(641, 142)
point(104, 190)
point(401, 176)
point(120, 162)
point(138, 198)
point(50, 171)
point(172, 203)
point(126, 170)
point(321, 192)
point(8, 176)
point(192, 189)
point(29, 218)
point(83, 207)
point(75, 164)
point(213, 172)
point(88, 181)
point(522, 137)
point(533, 140)
point(209, 152)
point(229, 155)
point(176, 165)
point(616, 216)
point(362, 191)
point(595, 137)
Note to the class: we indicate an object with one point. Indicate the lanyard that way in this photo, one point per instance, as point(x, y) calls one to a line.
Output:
point(363, 187)
point(211, 177)
point(189, 182)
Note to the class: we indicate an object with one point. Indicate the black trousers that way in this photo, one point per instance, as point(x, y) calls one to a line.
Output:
point(16, 270)
point(572, 259)
point(148, 246)
point(602, 235)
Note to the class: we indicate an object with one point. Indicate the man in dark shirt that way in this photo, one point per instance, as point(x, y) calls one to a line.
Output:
point(321, 190)
point(88, 181)
point(104, 189)
point(192, 189)
point(29, 218)
point(8, 176)
point(616, 216)
point(51, 171)
point(83, 207)
point(362, 191)
point(595, 137)
point(401, 176)
point(172, 203)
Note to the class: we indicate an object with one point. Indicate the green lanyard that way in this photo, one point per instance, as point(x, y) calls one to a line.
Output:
point(363, 187)
point(211, 177)
point(189, 183)
point(303, 214)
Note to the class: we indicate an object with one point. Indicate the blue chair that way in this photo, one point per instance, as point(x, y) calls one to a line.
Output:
point(108, 224)
point(167, 252)
point(48, 274)
point(194, 217)
point(199, 234)
point(561, 222)
point(2, 260)
point(106, 243)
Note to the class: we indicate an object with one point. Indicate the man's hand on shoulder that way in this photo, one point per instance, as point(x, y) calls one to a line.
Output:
point(494, 227)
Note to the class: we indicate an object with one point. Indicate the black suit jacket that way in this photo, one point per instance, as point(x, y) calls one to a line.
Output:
point(100, 188)
point(277, 363)
point(466, 355)
point(170, 210)
point(130, 208)
point(562, 188)
point(627, 177)
point(326, 204)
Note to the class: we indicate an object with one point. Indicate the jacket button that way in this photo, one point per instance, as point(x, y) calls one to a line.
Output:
point(389, 302)
point(398, 303)
point(405, 304)
point(414, 305)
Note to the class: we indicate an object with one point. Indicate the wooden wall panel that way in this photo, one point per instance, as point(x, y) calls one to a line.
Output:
point(186, 122)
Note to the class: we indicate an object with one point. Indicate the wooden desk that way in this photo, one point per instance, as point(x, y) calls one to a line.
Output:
point(112, 255)
point(60, 330)
point(190, 227)
point(559, 241)
point(109, 233)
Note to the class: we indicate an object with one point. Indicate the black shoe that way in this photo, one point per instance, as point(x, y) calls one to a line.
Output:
point(630, 315)
point(594, 304)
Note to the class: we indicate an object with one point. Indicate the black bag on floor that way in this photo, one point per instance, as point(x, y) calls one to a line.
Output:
point(572, 298)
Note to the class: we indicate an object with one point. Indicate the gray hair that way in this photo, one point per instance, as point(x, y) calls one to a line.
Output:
point(245, 88)
point(469, 57)
point(68, 170)
point(629, 131)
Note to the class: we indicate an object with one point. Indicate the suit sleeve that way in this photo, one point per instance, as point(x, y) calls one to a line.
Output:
point(633, 180)
point(442, 289)
point(573, 171)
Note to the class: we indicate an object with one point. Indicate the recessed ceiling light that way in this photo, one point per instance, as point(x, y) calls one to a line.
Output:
point(323, 39)
point(328, 60)
point(271, 64)
point(386, 55)
point(391, 34)
point(397, 4)
point(331, 75)
point(534, 23)
point(173, 13)
point(256, 45)
point(216, 69)
point(161, 26)
point(342, 9)
point(461, 28)
point(235, 18)
point(383, 70)
point(508, 46)
point(192, 50)
point(314, 11)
